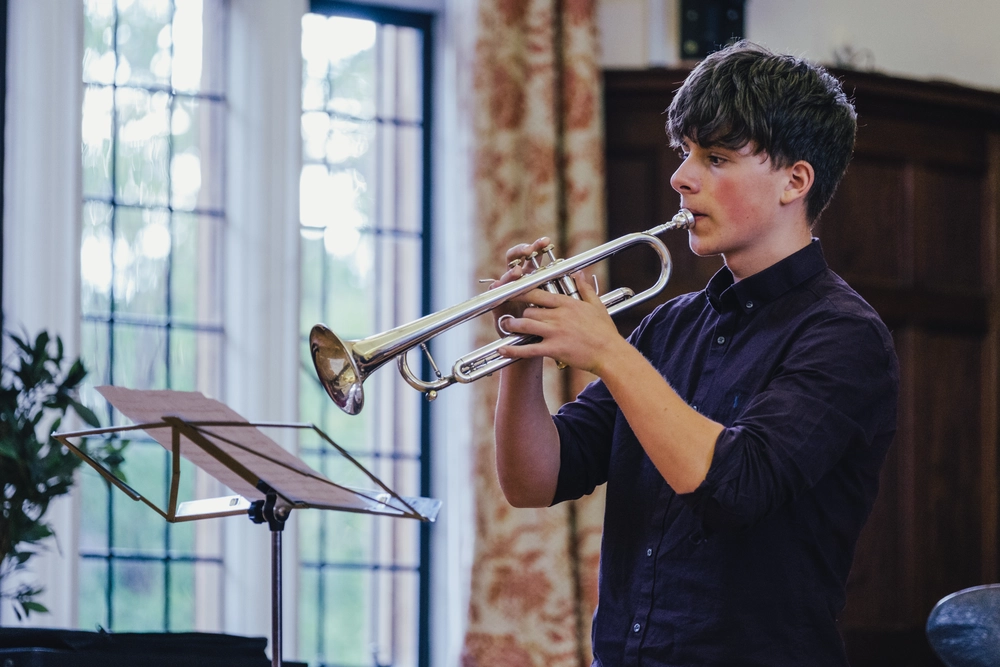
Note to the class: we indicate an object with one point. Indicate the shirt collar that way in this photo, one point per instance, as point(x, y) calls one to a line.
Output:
point(765, 286)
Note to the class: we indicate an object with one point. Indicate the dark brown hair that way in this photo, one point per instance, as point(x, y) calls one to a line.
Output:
point(784, 106)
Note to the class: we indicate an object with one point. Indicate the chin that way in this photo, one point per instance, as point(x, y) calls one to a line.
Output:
point(702, 248)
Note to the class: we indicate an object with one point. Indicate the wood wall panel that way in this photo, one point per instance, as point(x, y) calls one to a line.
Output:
point(864, 230)
point(948, 217)
point(947, 433)
point(889, 131)
point(913, 228)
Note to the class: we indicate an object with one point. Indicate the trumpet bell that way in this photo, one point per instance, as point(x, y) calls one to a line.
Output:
point(337, 369)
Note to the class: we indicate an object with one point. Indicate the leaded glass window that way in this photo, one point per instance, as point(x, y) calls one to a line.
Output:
point(364, 216)
point(151, 290)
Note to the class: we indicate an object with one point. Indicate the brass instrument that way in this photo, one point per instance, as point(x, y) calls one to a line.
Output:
point(342, 366)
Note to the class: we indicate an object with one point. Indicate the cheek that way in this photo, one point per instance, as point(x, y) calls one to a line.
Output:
point(742, 203)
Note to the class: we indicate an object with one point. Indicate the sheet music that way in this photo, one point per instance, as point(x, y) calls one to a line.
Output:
point(283, 471)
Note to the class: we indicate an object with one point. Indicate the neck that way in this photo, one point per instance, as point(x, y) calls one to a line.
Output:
point(748, 261)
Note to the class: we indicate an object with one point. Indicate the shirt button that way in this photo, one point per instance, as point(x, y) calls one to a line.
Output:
point(720, 340)
point(635, 628)
point(749, 305)
point(649, 552)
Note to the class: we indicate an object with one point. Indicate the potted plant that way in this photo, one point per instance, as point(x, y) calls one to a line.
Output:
point(35, 395)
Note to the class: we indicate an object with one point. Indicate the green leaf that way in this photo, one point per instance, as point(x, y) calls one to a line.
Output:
point(37, 532)
point(85, 413)
point(20, 342)
point(8, 450)
point(75, 375)
point(41, 343)
point(36, 607)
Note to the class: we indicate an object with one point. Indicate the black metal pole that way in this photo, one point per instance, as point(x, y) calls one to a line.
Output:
point(276, 598)
point(261, 511)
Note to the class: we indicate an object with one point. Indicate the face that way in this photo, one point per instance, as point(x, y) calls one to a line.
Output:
point(736, 199)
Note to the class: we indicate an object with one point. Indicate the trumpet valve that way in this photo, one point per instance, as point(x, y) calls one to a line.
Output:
point(533, 257)
point(549, 250)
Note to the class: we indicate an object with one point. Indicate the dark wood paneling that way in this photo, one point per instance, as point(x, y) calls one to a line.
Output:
point(864, 232)
point(947, 432)
point(913, 228)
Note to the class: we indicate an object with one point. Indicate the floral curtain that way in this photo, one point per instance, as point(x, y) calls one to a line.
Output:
point(539, 172)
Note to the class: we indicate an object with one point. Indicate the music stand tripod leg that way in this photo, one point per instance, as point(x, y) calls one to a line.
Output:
point(261, 511)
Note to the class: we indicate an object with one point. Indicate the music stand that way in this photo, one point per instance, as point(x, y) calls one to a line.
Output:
point(270, 481)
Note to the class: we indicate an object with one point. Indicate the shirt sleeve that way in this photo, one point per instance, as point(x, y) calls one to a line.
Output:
point(585, 433)
point(834, 390)
point(586, 428)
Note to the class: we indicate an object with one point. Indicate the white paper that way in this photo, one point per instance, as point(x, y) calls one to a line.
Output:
point(254, 450)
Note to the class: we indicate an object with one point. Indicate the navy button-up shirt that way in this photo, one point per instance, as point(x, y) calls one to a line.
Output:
point(750, 568)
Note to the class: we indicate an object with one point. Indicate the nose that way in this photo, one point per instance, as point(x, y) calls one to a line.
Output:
point(684, 180)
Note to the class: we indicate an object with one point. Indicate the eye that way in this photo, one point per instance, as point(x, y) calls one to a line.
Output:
point(716, 160)
point(682, 154)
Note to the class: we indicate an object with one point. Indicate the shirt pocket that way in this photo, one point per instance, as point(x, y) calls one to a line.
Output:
point(733, 404)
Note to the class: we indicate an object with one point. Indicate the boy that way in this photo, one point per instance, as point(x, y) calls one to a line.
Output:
point(740, 429)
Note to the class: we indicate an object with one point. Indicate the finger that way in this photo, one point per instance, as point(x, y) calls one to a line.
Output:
point(521, 351)
point(540, 297)
point(522, 250)
point(585, 285)
point(509, 276)
point(527, 326)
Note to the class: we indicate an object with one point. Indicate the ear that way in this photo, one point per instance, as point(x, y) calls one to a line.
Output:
point(800, 180)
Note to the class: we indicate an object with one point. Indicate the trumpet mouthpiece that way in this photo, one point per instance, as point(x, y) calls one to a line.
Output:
point(683, 220)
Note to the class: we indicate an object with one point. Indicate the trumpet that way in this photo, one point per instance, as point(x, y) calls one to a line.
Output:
point(343, 365)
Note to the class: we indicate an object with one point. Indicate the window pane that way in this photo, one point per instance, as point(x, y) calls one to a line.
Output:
point(346, 628)
point(401, 93)
point(196, 175)
point(98, 121)
point(199, 47)
point(144, 42)
point(140, 262)
point(140, 357)
point(95, 258)
point(94, 498)
point(92, 605)
point(94, 350)
point(195, 274)
point(398, 603)
point(143, 147)
point(402, 155)
point(146, 467)
point(195, 361)
point(138, 596)
point(98, 41)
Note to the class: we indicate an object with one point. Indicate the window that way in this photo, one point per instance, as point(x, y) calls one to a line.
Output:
point(153, 224)
point(364, 245)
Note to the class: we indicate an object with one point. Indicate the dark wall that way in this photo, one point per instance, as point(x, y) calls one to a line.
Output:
point(913, 228)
